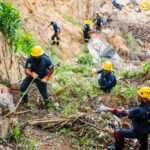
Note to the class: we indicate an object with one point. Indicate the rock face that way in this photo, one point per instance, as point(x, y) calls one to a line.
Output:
point(8, 65)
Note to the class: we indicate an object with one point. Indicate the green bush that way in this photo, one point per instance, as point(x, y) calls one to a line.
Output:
point(136, 72)
point(11, 27)
point(131, 42)
point(85, 59)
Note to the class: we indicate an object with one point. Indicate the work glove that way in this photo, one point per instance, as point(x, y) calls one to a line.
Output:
point(45, 79)
point(94, 71)
point(34, 75)
point(102, 108)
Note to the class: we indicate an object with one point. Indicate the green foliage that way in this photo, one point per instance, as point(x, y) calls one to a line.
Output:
point(28, 144)
point(10, 19)
point(16, 131)
point(11, 27)
point(85, 59)
point(72, 20)
point(136, 72)
point(23, 42)
point(116, 90)
point(131, 42)
point(129, 92)
point(69, 109)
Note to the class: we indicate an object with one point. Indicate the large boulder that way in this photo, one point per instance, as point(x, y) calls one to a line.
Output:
point(6, 101)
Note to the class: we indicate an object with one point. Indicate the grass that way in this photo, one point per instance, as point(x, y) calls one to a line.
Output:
point(71, 19)
point(131, 42)
point(136, 72)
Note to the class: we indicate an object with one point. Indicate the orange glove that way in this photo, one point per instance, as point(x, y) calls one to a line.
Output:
point(34, 75)
point(45, 79)
point(94, 71)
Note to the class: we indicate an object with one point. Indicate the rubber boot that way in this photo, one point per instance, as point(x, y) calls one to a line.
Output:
point(53, 43)
point(57, 42)
point(48, 103)
point(25, 99)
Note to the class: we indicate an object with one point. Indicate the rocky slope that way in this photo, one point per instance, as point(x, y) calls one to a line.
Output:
point(38, 14)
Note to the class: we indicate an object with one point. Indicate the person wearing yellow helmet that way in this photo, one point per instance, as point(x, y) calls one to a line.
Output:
point(86, 31)
point(40, 68)
point(140, 116)
point(108, 79)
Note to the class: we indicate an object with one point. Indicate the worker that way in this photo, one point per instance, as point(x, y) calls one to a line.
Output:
point(99, 21)
point(56, 33)
point(108, 79)
point(140, 116)
point(109, 20)
point(39, 68)
point(86, 30)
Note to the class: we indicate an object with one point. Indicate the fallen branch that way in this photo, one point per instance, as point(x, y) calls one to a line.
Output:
point(22, 112)
point(88, 123)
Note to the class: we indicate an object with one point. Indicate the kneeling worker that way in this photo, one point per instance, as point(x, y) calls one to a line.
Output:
point(140, 116)
point(107, 80)
point(38, 68)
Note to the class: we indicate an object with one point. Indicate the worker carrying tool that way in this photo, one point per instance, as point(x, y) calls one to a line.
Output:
point(56, 33)
point(140, 116)
point(108, 79)
point(39, 68)
point(86, 30)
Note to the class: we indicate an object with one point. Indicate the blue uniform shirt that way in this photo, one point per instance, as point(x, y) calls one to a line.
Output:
point(40, 66)
point(56, 27)
point(107, 80)
point(140, 116)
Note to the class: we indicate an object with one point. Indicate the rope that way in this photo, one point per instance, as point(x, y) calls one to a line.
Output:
point(19, 101)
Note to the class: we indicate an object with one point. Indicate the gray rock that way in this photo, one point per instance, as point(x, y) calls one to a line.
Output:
point(6, 100)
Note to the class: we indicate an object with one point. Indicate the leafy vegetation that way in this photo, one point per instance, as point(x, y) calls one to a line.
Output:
point(85, 59)
point(136, 72)
point(19, 138)
point(131, 42)
point(11, 27)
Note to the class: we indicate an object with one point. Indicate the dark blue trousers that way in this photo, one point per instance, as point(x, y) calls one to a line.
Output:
point(42, 87)
point(130, 133)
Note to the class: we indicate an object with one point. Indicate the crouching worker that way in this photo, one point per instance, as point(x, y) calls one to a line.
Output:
point(107, 80)
point(140, 116)
point(38, 68)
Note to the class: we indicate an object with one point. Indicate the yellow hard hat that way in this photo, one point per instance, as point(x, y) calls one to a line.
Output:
point(144, 92)
point(89, 22)
point(37, 51)
point(107, 65)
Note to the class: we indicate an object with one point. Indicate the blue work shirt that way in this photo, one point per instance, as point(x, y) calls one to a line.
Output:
point(106, 80)
point(86, 28)
point(40, 66)
point(56, 27)
point(140, 116)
